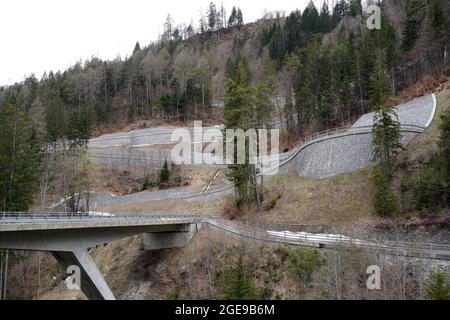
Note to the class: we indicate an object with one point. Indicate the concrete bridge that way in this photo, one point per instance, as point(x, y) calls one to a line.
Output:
point(69, 237)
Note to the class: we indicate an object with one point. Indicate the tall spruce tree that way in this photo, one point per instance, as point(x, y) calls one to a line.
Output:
point(81, 125)
point(238, 283)
point(325, 19)
point(212, 16)
point(239, 100)
point(386, 127)
point(232, 21)
point(19, 160)
point(444, 145)
point(239, 18)
point(437, 15)
point(355, 8)
point(310, 19)
point(415, 12)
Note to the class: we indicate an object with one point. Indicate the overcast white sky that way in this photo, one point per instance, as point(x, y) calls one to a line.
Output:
point(43, 35)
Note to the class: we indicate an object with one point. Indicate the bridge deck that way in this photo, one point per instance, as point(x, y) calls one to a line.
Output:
point(53, 221)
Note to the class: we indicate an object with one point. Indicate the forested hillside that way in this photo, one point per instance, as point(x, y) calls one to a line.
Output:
point(319, 61)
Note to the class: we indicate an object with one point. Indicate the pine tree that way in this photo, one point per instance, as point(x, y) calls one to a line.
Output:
point(277, 45)
point(388, 41)
point(415, 12)
point(386, 135)
point(265, 90)
point(326, 109)
point(137, 48)
point(19, 161)
point(239, 18)
point(384, 200)
point(437, 289)
point(310, 19)
point(212, 16)
point(232, 21)
point(325, 19)
point(355, 8)
point(81, 125)
point(238, 283)
point(239, 100)
point(386, 127)
point(56, 120)
point(164, 173)
point(340, 10)
point(437, 15)
point(444, 145)
point(294, 33)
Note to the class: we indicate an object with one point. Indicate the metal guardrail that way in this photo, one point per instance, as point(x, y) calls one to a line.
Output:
point(329, 241)
point(324, 133)
point(33, 217)
point(439, 251)
point(345, 129)
point(340, 130)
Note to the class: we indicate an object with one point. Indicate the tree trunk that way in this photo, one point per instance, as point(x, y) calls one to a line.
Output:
point(5, 276)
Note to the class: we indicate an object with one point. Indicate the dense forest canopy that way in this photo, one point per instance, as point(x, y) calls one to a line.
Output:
point(322, 60)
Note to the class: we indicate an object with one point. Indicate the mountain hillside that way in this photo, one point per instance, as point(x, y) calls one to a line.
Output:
point(319, 60)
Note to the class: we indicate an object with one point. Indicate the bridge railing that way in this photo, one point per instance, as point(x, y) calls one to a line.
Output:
point(346, 128)
point(37, 217)
point(324, 240)
point(325, 133)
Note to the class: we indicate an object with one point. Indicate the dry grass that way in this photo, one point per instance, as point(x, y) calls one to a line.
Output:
point(425, 86)
point(174, 206)
point(200, 175)
point(425, 145)
point(125, 180)
point(341, 200)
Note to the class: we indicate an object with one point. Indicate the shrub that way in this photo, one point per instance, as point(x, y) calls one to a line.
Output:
point(272, 202)
point(304, 262)
point(178, 179)
point(175, 293)
point(428, 190)
point(147, 184)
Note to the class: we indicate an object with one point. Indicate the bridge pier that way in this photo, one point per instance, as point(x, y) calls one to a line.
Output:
point(92, 282)
point(68, 239)
point(170, 239)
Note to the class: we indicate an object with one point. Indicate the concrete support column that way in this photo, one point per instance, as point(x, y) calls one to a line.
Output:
point(170, 239)
point(92, 283)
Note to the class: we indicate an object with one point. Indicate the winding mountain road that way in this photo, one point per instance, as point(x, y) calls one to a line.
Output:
point(322, 155)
